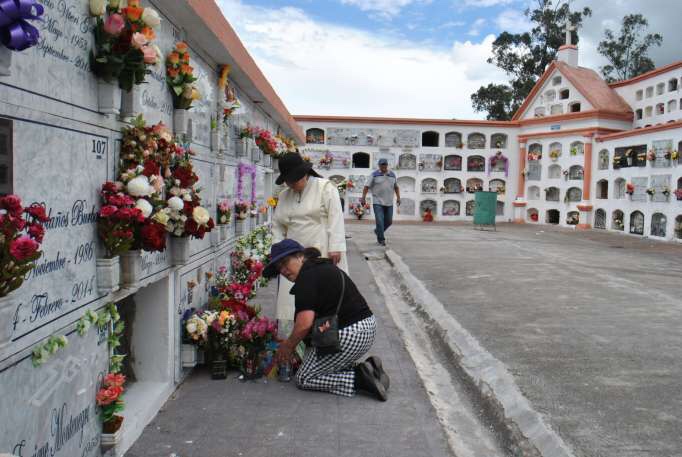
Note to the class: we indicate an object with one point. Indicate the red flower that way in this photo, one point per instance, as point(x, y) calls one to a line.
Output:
point(120, 200)
point(109, 187)
point(114, 380)
point(16, 221)
point(186, 176)
point(108, 211)
point(23, 248)
point(153, 237)
point(107, 396)
point(12, 204)
point(37, 232)
point(151, 168)
point(37, 211)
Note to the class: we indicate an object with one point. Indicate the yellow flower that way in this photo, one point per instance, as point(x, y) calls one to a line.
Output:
point(272, 201)
point(161, 217)
point(196, 95)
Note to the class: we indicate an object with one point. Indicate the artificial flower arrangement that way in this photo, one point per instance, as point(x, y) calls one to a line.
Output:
point(264, 139)
point(230, 104)
point(651, 191)
point(21, 232)
point(287, 144)
point(554, 154)
point(651, 155)
point(241, 209)
point(180, 77)
point(499, 158)
point(674, 155)
point(123, 42)
point(224, 212)
point(118, 217)
point(534, 155)
point(629, 188)
point(272, 202)
point(666, 191)
point(326, 161)
point(110, 402)
point(359, 210)
point(344, 186)
point(574, 150)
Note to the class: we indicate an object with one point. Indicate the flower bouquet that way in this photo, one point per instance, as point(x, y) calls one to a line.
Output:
point(629, 188)
point(224, 212)
point(272, 202)
point(110, 402)
point(180, 77)
point(651, 155)
point(123, 42)
point(326, 161)
point(555, 154)
point(255, 337)
point(241, 210)
point(21, 232)
point(358, 209)
point(651, 191)
point(674, 155)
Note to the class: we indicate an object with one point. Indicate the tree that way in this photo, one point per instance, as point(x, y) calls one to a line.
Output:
point(524, 56)
point(627, 53)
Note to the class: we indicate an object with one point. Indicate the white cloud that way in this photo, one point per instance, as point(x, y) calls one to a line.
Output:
point(475, 28)
point(385, 8)
point(486, 3)
point(513, 21)
point(322, 68)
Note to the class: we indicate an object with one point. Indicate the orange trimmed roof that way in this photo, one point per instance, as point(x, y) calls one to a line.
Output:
point(642, 131)
point(647, 75)
point(587, 82)
point(402, 120)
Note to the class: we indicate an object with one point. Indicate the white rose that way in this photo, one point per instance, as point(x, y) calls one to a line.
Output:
point(139, 187)
point(98, 7)
point(187, 197)
point(191, 327)
point(200, 215)
point(144, 206)
point(151, 17)
point(175, 203)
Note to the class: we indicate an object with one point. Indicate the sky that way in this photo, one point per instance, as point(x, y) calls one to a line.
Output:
point(408, 58)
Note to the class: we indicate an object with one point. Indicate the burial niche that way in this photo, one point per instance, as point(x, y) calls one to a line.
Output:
point(552, 194)
point(407, 161)
point(602, 189)
point(658, 223)
point(429, 186)
point(476, 141)
point(453, 162)
point(553, 216)
point(470, 206)
point(314, 136)
point(554, 172)
point(427, 204)
point(637, 223)
point(600, 219)
point(452, 186)
point(475, 163)
point(360, 160)
point(450, 208)
point(533, 193)
point(453, 140)
point(430, 139)
point(474, 185)
point(407, 184)
point(617, 220)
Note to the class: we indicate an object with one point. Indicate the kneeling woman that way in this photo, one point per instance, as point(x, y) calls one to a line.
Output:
point(317, 291)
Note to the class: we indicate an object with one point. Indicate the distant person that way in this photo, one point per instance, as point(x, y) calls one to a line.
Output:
point(320, 289)
point(383, 183)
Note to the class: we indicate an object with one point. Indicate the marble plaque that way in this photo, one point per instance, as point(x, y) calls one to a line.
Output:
point(639, 194)
point(204, 169)
point(406, 207)
point(372, 137)
point(659, 183)
point(406, 184)
point(341, 159)
point(203, 109)
point(51, 410)
point(431, 162)
point(661, 148)
point(67, 168)
point(389, 156)
point(407, 161)
point(260, 185)
point(451, 208)
point(358, 181)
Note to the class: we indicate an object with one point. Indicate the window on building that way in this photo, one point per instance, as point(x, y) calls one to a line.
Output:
point(649, 92)
point(360, 160)
point(563, 94)
point(660, 88)
point(660, 109)
point(556, 109)
point(553, 216)
point(639, 114)
point(556, 80)
point(672, 85)
point(639, 94)
point(672, 106)
point(648, 111)
point(430, 139)
point(574, 107)
point(6, 155)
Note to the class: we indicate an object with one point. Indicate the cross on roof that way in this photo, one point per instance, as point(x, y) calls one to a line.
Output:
point(569, 28)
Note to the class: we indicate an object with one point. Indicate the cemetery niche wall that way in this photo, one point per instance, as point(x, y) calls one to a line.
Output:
point(57, 148)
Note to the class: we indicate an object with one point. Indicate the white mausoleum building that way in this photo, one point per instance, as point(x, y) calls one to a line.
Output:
point(579, 152)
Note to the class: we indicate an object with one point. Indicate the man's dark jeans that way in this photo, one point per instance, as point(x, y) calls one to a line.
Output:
point(383, 216)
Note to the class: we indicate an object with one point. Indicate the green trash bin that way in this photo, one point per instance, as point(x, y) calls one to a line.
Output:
point(485, 209)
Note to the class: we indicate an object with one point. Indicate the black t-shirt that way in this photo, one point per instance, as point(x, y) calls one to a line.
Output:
point(318, 288)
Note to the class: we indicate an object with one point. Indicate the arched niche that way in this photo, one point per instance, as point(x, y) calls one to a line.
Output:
point(658, 224)
point(475, 163)
point(574, 194)
point(474, 185)
point(406, 207)
point(497, 185)
point(407, 184)
point(314, 136)
point(452, 186)
point(619, 186)
point(553, 216)
point(533, 193)
point(577, 147)
point(678, 227)
point(453, 162)
point(572, 218)
point(637, 223)
point(429, 186)
point(470, 207)
point(453, 140)
point(430, 139)
point(554, 171)
point(499, 140)
point(534, 151)
point(476, 141)
point(576, 172)
point(532, 214)
point(427, 204)
point(602, 189)
point(361, 160)
point(617, 220)
point(552, 194)
point(407, 161)
point(555, 151)
point(603, 160)
point(499, 208)
point(450, 208)
point(600, 219)
point(336, 179)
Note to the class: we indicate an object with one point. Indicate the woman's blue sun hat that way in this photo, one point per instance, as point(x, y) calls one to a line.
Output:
point(278, 251)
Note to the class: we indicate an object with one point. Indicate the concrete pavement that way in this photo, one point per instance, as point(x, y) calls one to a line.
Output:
point(588, 323)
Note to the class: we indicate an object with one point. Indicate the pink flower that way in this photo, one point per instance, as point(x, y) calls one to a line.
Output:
point(149, 53)
point(36, 231)
point(114, 24)
point(12, 204)
point(107, 211)
point(23, 247)
point(138, 40)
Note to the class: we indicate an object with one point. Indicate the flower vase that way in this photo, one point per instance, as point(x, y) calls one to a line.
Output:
point(7, 310)
point(255, 154)
point(180, 121)
point(108, 97)
point(180, 250)
point(224, 229)
point(240, 226)
point(5, 61)
point(112, 431)
point(131, 104)
point(131, 268)
point(215, 141)
point(108, 275)
point(275, 163)
point(215, 237)
point(251, 366)
point(219, 367)
point(189, 355)
point(242, 147)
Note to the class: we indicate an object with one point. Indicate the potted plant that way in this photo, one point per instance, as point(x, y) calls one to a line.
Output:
point(123, 49)
point(21, 232)
point(110, 402)
point(116, 228)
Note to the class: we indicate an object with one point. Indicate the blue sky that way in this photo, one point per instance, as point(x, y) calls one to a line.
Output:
point(407, 58)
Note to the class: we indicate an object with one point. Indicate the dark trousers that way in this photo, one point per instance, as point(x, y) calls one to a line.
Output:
point(383, 217)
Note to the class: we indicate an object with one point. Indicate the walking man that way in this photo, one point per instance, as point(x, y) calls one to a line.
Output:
point(382, 183)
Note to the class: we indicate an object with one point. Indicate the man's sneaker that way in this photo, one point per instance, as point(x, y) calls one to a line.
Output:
point(382, 243)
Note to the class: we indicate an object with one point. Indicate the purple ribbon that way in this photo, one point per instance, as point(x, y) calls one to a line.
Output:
point(15, 33)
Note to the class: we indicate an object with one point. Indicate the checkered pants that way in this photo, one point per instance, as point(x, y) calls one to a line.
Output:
point(335, 373)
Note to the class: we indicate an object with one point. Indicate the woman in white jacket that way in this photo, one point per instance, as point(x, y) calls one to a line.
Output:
point(308, 211)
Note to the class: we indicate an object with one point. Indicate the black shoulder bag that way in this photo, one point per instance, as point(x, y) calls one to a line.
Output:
point(325, 333)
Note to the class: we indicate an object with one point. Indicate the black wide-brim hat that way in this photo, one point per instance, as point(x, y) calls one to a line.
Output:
point(278, 251)
point(292, 167)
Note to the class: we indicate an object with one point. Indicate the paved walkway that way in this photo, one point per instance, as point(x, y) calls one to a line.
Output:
point(588, 323)
point(207, 418)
